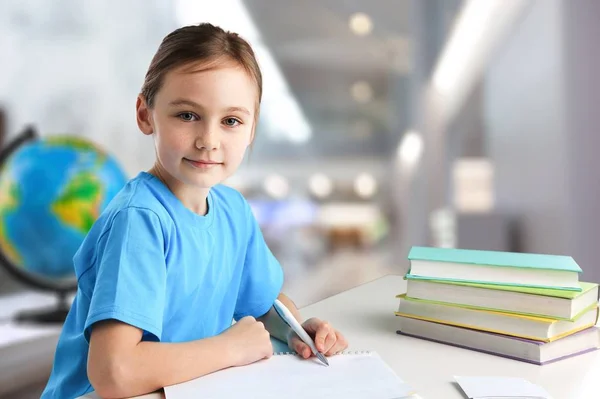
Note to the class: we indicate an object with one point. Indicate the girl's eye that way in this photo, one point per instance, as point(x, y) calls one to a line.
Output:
point(231, 122)
point(187, 116)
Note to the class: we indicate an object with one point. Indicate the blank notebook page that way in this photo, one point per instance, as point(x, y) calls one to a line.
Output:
point(351, 375)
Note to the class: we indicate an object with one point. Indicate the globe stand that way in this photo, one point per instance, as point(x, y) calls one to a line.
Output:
point(50, 315)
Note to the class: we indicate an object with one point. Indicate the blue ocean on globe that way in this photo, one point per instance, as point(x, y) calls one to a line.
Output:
point(52, 190)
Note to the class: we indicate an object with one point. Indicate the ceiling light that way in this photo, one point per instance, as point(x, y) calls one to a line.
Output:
point(361, 92)
point(320, 185)
point(361, 24)
point(478, 27)
point(365, 185)
point(276, 186)
point(410, 149)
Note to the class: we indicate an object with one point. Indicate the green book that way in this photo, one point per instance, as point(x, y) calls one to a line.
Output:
point(585, 287)
point(549, 303)
point(495, 268)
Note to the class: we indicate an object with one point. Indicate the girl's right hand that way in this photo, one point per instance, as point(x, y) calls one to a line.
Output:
point(247, 341)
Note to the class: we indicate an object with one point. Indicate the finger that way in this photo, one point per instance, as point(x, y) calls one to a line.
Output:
point(269, 350)
point(340, 345)
point(312, 325)
point(301, 348)
point(321, 335)
point(330, 341)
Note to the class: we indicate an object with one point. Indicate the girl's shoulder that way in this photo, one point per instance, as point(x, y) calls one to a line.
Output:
point(138, 196)
point(230, 200)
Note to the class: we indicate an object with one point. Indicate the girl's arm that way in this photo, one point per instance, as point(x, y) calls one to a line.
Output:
point(275, 324)
point(327, 339)
point(121, 365)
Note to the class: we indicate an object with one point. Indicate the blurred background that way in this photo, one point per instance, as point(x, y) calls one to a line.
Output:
point(385, 124)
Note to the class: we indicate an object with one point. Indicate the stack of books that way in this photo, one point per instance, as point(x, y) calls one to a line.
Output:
point(528, 307)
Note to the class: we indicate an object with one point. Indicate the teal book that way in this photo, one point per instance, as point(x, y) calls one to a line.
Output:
point(494, 267)
point(495, 258)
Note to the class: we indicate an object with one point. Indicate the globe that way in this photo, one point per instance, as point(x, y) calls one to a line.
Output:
point(52, 190)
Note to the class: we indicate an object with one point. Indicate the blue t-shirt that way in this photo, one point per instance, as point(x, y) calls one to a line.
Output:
point(152, 263)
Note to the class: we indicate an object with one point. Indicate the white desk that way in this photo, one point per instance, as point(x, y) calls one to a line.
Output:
point(26, 352)
point(366, 317)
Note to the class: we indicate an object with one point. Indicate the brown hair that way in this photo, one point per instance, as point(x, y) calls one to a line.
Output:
point(199, 43)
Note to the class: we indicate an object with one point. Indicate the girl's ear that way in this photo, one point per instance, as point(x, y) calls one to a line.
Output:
point(144, 116)
point(252, 134)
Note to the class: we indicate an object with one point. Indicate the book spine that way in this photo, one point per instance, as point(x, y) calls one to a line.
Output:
point(469, 348)
point(409, 276)
point(497, 353)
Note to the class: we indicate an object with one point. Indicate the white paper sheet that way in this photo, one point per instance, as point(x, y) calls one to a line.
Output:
point(349, 376)
point(500, 387)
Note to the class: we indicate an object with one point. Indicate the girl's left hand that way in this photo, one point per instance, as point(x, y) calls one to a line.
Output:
point(327, 339)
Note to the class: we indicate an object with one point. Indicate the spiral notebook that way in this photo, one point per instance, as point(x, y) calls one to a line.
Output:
point(350, 375)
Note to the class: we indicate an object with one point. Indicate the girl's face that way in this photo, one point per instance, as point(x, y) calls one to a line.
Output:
point(202, 123)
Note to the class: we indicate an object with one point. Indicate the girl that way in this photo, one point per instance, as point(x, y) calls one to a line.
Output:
point(176, 256)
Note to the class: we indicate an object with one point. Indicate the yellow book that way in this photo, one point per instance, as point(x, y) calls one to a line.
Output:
point(517, 325)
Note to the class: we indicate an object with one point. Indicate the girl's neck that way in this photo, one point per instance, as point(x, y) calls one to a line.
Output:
point(193, 198)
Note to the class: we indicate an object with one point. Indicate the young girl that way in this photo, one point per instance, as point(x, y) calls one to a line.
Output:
point(176, 256)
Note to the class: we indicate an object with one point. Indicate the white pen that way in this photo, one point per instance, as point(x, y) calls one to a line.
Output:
point(291, 321)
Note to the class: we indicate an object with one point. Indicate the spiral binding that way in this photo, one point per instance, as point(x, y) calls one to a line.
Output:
point(347, 352)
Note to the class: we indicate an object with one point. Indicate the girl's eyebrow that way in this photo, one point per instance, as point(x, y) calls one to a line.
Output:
point(240, 109)
point(183, 101)
point(190, 103)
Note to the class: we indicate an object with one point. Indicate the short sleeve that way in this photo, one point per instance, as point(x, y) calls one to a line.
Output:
point(131, 273)
point(262, 277)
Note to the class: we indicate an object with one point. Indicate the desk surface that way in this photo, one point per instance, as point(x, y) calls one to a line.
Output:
point(365, 315)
